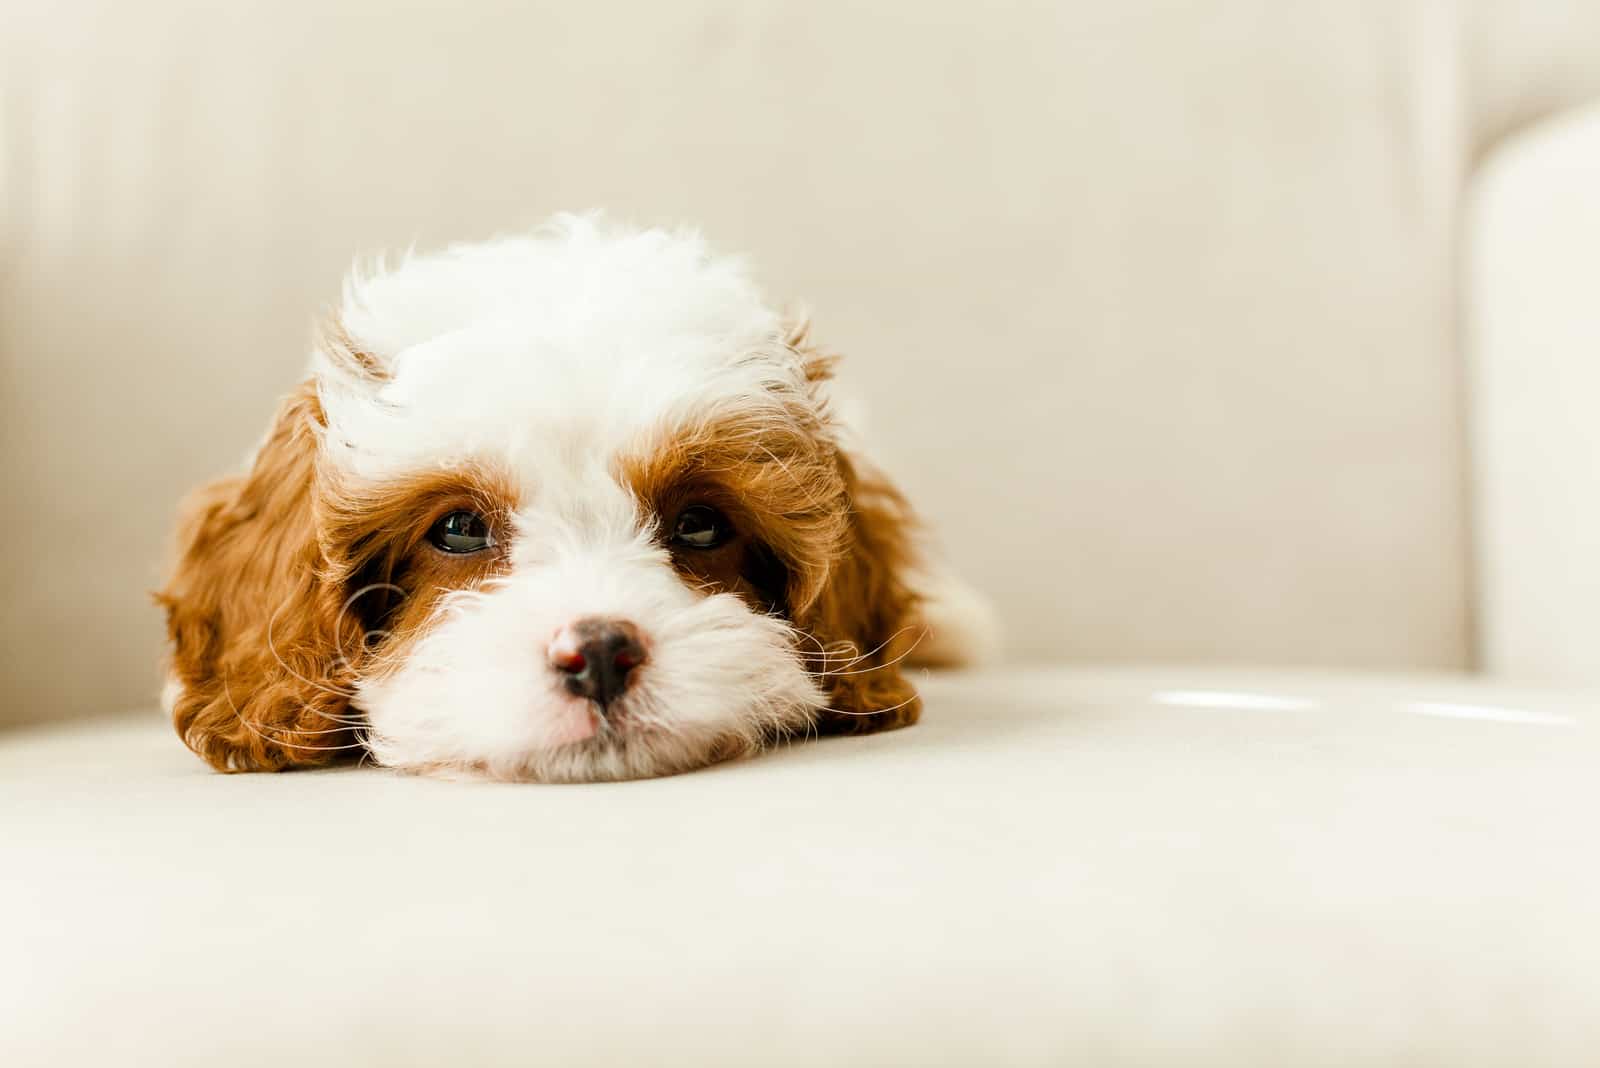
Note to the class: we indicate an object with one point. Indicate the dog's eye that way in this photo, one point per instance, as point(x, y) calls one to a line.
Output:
point(701, 527)
point(461, 532)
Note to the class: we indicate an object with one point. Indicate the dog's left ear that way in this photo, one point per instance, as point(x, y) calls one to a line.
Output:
point(865, 615)
point(859, 612)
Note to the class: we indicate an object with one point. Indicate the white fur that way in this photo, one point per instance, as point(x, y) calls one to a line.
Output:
point(562, 345)
point(549, 355)
point(171, 691)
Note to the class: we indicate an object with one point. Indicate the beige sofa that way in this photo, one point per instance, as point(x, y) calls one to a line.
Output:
point(1247, 334)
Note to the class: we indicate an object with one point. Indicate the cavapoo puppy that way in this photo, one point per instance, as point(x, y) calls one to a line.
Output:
point(566, 506)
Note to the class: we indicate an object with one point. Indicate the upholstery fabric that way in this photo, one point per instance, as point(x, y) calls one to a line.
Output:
point(1053, 868)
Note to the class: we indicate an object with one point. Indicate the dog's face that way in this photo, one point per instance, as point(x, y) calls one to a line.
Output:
point(565, 507)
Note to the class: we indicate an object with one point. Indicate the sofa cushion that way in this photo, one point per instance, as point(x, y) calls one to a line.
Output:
point(1054, 867)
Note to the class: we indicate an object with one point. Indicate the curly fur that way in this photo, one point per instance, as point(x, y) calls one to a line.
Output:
point(577, 388)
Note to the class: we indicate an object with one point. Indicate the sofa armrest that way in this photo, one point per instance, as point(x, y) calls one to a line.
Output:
point(1531, 320)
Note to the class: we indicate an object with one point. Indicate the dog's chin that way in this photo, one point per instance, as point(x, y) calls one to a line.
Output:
point(613, 754)
point(615, 747)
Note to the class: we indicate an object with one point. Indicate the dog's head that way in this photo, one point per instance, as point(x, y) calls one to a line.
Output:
point(569, 506)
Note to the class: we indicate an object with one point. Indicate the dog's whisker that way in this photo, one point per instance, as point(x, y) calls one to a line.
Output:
point(877, 667)
point(273, 649)
point(253, 729)
point(345, 608)
point(806, 654)
point(870, 711)
point(345, 729)
point(881, 645)
point(876, 649)
point(824, 652)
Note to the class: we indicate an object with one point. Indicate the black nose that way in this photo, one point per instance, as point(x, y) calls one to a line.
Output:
point(596, 657)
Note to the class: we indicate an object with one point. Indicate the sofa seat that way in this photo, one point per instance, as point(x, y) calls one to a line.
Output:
point(1056, 866)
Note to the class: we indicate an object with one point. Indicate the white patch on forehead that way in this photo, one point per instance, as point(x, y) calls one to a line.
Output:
point(557, 348)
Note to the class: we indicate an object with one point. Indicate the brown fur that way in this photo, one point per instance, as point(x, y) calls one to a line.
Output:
point(284, 575)
point(866, 603)
point(842, 536)
point(248, 561)
point(865, 600)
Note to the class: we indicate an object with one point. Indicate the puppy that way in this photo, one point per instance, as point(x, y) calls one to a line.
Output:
point(561, 507)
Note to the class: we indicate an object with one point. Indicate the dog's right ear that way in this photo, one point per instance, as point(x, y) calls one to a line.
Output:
point(259, 680)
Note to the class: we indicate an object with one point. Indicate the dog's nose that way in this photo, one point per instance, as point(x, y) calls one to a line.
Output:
point(596, 656)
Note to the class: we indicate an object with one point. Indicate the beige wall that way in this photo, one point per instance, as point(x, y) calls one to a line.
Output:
point(1151, 301)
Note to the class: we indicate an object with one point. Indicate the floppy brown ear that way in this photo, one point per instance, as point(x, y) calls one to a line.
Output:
point(258, 679)
point(865, 614)
point(859, 613)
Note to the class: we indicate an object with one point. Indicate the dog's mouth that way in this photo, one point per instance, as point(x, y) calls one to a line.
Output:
point(580, 722)
point(624, 748)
